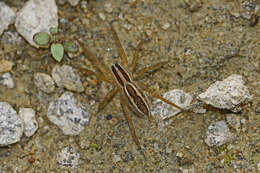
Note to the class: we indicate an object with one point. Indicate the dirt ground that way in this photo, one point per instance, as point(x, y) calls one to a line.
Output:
point(203, 40)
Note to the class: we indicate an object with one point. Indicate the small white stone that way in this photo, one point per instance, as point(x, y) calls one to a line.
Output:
point(108, 8)
point(36, 16)
point(73, 2)
point(71, 117)
point(65, 76)
point(68, 158)
point(30, 123)
point(227, 94)
point(117, 158)
point(218, 134)
point(163, 111)
point(11, 125)
point(7, 16)
point(44, 82)
point(102, 16)
point(166, 26)
point(7, 80)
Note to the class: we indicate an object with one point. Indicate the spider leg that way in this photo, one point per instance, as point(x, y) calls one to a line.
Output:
point(98, 76)
point(148, 69)
point(144, 87)
point(134, 60)
point(120, 47)
point(99, 66)
point(129, 120)
point(110, 95)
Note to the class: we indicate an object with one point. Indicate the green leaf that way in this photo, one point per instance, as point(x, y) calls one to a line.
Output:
point(93, 145)
point(54, 30)
point(70, 47)
point(41, 38)
point(57, 51)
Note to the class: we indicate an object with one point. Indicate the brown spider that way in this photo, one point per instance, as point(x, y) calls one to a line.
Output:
point(123, 80)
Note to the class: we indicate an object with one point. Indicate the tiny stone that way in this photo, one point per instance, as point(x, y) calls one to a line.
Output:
point(108, 8)
point(109, 117)
point(65, 76)
point(102, 16)
point(70, 116)
point(166, 26)
point(217, 134)
point(68, 158)
point(163, 111)
point(36, 16)
point(7, 16)
point(7, 80)
point(117, 158)
point(11, 125)
point(5, 66)
point(113, 121)
point(227, 94)
point(30, 123)
point(73, 2)
point(44, 82)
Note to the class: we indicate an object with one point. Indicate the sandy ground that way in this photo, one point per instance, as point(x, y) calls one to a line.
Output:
point(204, 41)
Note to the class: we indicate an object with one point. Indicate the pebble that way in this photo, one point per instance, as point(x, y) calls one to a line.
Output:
point(102, 16)
point(108, 8)
point(7, 16)
point(227, 94)
point(217, 134)
point(44, 82)
point(7, 80)
point(73, 2)
point(68, 157)
point(234, 121)
point(30, 123)
point(11, 125)
point(5, 66)
point(36, 16)
point(162, 110)
point(166, 26)
point(65, 76)
point(70, 116)
point(117, 158)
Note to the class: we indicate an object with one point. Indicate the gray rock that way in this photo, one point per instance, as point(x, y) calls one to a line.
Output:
point(218, 134)
point(7, 16)
point(7, 80)
point(44, 82)
point(65, 76)
point(258, 165)
point(227, 94)
point(163, 111)
point(11, 125)
point(69, 116)
point(36, 16)
point(30, 123)
point(68, 158)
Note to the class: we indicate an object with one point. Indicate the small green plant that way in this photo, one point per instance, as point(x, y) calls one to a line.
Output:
point(58, 44)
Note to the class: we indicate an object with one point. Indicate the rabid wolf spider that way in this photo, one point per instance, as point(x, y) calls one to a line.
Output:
point(122, 77)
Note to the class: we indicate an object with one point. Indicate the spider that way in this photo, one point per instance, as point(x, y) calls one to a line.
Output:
point(123, 78)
